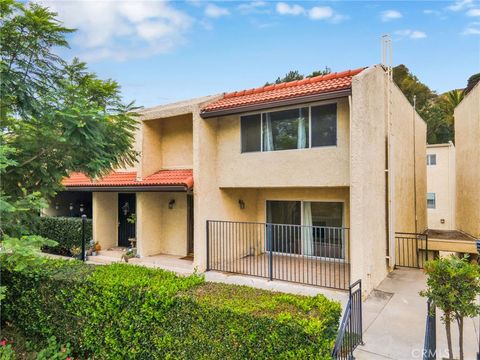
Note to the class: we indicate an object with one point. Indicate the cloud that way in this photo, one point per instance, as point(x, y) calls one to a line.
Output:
point(390, 15)
point(411, 34)
point(320, 12)
point(472, 28)
point(460, 5)
point(253, 7)
point(119, 30)
point(314, 13)
point(286, 9)
point(471, 31)
point(214, 11)
point(473, 12)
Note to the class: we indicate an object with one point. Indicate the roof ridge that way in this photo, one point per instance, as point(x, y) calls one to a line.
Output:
point(287, 84)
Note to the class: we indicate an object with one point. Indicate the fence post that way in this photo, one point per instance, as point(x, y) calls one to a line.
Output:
point(270, 252)
point(208, 244)
point(84, 220)
point(426, 247)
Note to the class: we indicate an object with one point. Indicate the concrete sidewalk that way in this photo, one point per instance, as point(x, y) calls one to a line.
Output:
point(394, 321)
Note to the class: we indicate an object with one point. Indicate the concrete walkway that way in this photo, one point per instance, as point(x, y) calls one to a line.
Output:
point(394, 321)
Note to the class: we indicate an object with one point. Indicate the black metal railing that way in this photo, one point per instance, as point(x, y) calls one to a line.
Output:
point(350, 331)
point(430, 343)
point(314, 255)
point(411, 249)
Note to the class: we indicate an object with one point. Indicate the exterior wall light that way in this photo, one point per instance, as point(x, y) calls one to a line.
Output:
point(57, 206)
point(70, 207)
point(82, 208)
point(171, 204)
point(241, 203)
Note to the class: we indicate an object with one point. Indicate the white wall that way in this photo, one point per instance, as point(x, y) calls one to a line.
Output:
point(441, 182)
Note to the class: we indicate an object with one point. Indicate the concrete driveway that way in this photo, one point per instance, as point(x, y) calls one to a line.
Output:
point(394, 321)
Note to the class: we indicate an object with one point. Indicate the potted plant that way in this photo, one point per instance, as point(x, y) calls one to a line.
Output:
point(130, 253)
point(76, 251)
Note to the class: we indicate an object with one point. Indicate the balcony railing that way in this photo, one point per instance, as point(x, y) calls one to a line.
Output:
point(314, 255)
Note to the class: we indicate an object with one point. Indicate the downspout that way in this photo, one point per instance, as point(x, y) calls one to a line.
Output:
point(415, 164)
point(390, 176)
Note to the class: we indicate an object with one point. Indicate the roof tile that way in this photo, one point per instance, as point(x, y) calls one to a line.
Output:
point(298, 88)
point(127, 179)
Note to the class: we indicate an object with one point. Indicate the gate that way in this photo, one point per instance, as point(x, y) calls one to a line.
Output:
point(411, 249)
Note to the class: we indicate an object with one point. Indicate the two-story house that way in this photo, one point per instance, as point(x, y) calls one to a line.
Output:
point(304, 181)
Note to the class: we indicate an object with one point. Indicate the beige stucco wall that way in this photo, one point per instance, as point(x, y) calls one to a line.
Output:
point(408, 166)
point(137, 146)
point(441, 182)
point(161, 230)
point(105, 218)
point(368, 190)
point(467, 143)
point(318, 166)
point(167, 144)
point(368, 231)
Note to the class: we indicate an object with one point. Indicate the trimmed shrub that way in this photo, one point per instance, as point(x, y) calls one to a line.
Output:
point(121, 311)
point(66, 231)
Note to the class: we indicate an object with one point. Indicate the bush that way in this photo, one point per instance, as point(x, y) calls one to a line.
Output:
point(122, 311)
point(66, 231)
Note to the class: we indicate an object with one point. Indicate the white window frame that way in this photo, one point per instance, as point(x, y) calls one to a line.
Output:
point(344, 212)
point(309, 106)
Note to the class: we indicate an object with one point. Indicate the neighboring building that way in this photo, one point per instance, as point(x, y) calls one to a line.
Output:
point(441, 186)
point(467, 143)
point(314, 156)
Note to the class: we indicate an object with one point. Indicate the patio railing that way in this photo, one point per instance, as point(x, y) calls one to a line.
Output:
point(314, 255)
point(351, 328)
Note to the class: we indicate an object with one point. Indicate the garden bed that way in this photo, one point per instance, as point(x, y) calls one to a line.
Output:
point(130, 312)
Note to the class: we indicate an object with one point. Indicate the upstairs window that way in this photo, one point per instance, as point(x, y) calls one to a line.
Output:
point(295, 128)
point(431, 159)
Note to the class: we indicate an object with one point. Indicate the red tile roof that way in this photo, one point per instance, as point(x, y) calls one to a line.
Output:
point(127, 179)
point(286, 90)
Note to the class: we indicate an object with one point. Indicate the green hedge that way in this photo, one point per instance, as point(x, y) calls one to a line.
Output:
point(122, 311)
point(66, 231)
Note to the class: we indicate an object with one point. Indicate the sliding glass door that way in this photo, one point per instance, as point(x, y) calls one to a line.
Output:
point(284, 235)
point(306, 228)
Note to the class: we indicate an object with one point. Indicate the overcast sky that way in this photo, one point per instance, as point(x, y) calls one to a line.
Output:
point(162, 52)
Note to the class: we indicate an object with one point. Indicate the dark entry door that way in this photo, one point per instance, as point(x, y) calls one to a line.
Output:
point(126, 218)
point(189, 224)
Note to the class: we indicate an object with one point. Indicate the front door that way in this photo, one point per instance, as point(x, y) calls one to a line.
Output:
point(126, 218)
point(189, 224)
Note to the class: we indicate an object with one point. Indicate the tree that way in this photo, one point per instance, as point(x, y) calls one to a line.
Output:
point(293, 75)
point(453, 285)
point(472, 81)
point(56, 116)
point(436, 110)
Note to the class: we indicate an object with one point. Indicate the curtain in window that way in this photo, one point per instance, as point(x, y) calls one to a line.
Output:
point(307, 236)
point(268, 134)
point(302, 133)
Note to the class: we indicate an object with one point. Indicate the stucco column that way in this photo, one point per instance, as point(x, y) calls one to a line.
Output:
point(105, 218)
point(205, 189)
